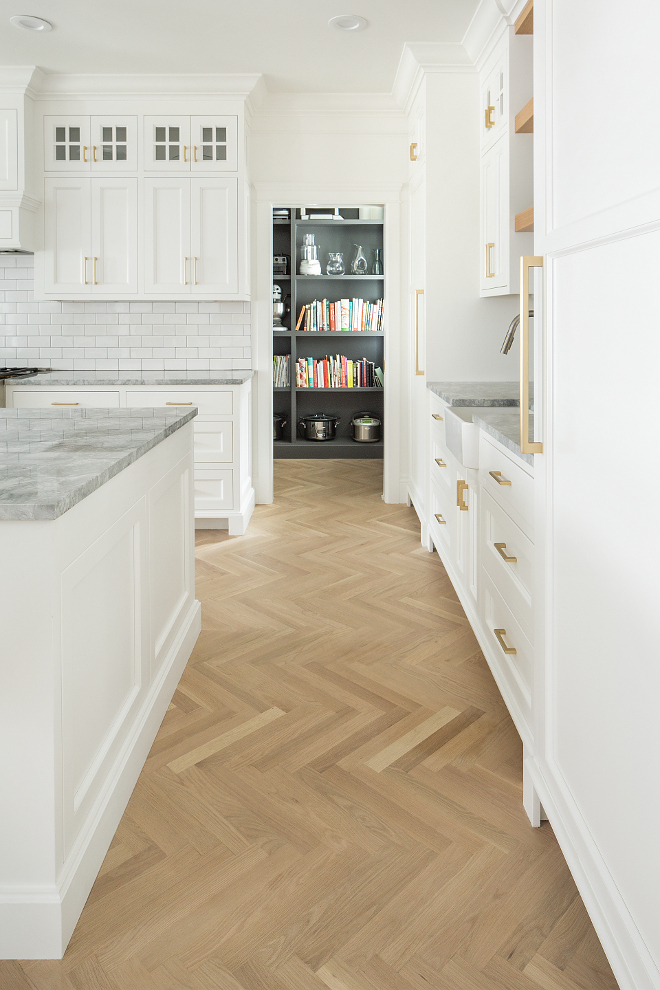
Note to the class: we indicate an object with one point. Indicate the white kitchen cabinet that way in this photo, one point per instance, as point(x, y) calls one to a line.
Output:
point(466, 514)
point(191, 235)
point(494, 98)
point(8, 150)
point(90, 237)
point(191, 143)
point(97, 143)
point(495, 217)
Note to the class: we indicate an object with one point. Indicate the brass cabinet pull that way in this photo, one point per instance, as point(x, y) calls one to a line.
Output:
point(436, 416)
point(489, 271)
point(439, 461)
point(178, 403)
point(461, 488)
point(499, 636)
point(418, 293)
point(84, 152)
point(64, 403)
point(497, 475)
point(94, 153)
point(195, 270)
point(527, 446)
point(195, 153)
point(489, 118)
point(185, 277)
point(443, 522)
point(413, 152)
point(501, 547)
point(184, 153)
point(85, 271)
point(94, 260)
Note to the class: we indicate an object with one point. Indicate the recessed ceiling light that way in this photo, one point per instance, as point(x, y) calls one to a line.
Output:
point(29, 23)
point(348, 22)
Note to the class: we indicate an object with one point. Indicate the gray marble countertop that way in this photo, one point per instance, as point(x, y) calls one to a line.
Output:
point(504, 425)
point(52, 459)
point(134, 378)
point(478, 393)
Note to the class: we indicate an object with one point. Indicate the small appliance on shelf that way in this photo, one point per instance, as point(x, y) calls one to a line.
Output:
point(281, 264)
point(309, 252)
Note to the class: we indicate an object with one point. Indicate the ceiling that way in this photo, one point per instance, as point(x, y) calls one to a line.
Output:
point(288, 42)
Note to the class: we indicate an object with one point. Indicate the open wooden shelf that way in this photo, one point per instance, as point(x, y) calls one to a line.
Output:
point(525, 119)
point(525, 221)
point(525, 23)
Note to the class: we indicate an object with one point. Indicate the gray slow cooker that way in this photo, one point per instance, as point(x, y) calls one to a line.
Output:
point(366, 428)
point(279, 422)
point(318, 426)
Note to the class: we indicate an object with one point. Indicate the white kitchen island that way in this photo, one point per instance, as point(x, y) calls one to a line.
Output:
point(98, 620)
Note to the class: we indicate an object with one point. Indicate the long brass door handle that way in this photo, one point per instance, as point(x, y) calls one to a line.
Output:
point(413, 152)
point(527, 446)
point(94, 260)
point(488, 118)
point(439, 461)
point(195, 153)
point(178, 403)
point(499, 636)
point(489, 271)
point(501, 547)
point(184, 153)
point(195, 271)
point(85, 271)
point(84, 152)
point(497, 475)
point(436, 416)
point(94, 153)
point(185, 276)
point(461, 487)
point(442, 522)
point(64, 403)
point(418, 293)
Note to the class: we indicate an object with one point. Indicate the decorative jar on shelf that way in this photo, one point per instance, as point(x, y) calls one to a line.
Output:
point(335, 263)
point(359, 266)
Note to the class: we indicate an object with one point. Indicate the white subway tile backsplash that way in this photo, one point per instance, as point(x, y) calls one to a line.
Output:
point(125, 335)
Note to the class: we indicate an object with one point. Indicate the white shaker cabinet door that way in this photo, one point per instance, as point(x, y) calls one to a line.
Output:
point(214, 235)
point(494, 217)
point(114, 236)
point(214, 144)
point(113, 143)
point(67, 147)
point(67, 236)
point(167, 255)
point(167, 144)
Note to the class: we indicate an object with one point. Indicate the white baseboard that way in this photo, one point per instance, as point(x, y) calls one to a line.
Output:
point(235, 521)
point(37, 923)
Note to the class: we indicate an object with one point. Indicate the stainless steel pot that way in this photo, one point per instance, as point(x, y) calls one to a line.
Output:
point(318, 426)
point(366, 428)
point(279, 422)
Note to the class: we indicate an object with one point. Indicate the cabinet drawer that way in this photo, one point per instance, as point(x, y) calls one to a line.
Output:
point(513, 577)
point(441, 519)
point(508, 484)
point(39, 398)
point(517, 668)
point(437, 415)
point(215, 403)
point(213, 490)
point(442, 465)
point(213, 442)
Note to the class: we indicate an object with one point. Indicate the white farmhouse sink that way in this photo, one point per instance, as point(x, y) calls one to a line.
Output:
point(462, 435)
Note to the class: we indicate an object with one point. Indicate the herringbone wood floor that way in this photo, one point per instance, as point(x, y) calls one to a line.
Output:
point(333, 801)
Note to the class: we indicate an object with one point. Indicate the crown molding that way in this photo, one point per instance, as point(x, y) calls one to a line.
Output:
point(56, 85)
point(326, 104)
point(21, 200)
point(418, 58)
point(20, 79)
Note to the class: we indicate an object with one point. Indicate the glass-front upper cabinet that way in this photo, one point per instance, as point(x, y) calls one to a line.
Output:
point(191, 144)
point(84, 144)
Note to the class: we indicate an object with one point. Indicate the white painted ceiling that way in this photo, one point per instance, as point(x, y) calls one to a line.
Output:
point(289, 41)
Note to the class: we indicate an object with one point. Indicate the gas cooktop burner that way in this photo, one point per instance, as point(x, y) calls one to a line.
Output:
point(22, 372)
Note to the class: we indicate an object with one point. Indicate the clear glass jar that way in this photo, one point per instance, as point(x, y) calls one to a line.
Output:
point(335, 263)
point(359, 266)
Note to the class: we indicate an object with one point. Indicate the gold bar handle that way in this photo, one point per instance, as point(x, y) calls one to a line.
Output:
point(195, 153)
point(185, 277)
point(436, 416)
point(527, 446)
point(413, 152)
point(84, 152)
point(418, 293)
point(488, 118)
point(64, 403)
point(497, 475)
point(85, 271)
point(501, 547)
point(441, 521)
point(499, 636)
point(184, 153)
point(94, 153)
point(195, 270)
point(94, 260)
point(439, 461)
point(461, 488)
point(178, 403)
point(489, 271)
